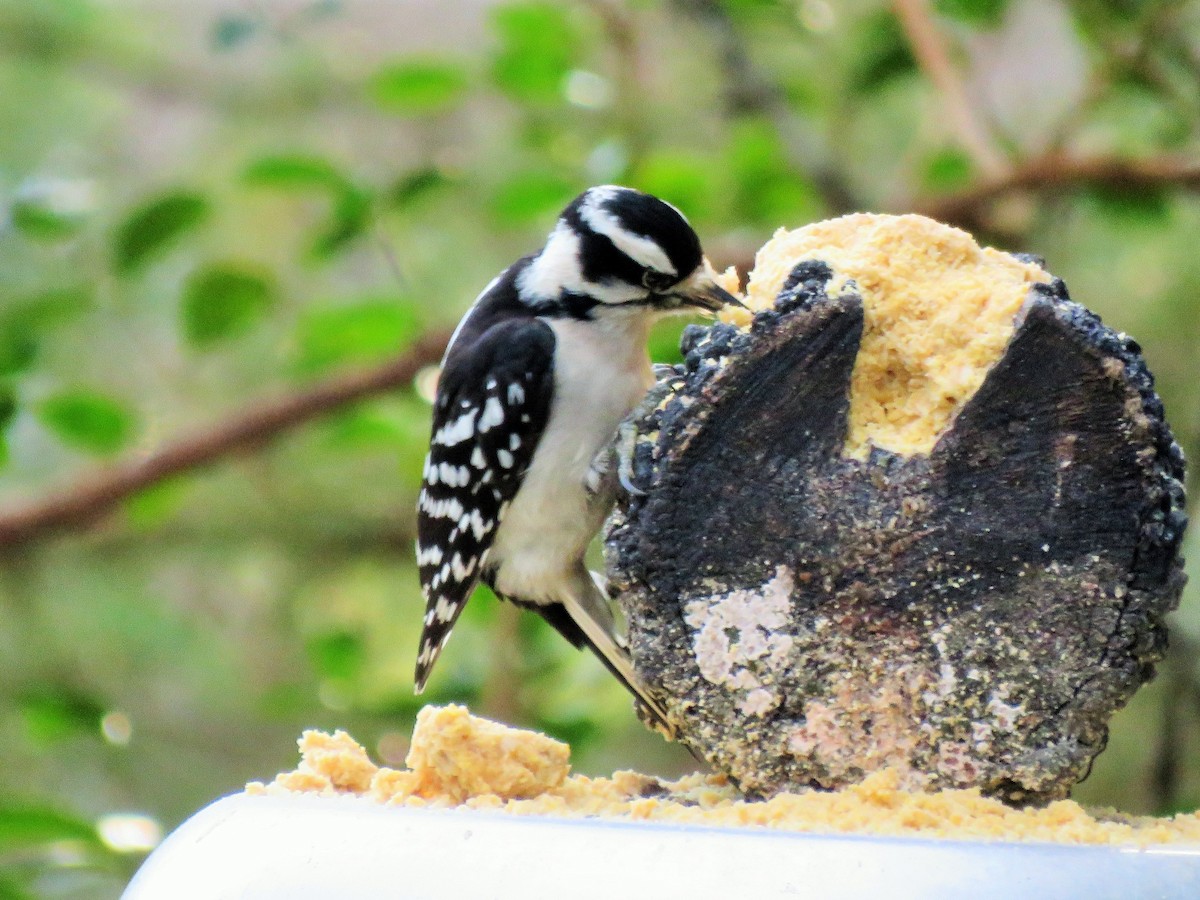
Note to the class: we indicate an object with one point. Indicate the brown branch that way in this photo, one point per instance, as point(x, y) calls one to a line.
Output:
point(1058, 172)
point(96, 495)
point(934, 59)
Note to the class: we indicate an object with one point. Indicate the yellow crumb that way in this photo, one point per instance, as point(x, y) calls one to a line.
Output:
point(460, 760)
point(938, 311)
point(337, 758)
point(730, 281)
point(458, 755)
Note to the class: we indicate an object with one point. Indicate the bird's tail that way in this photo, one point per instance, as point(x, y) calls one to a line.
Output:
point(589, 610)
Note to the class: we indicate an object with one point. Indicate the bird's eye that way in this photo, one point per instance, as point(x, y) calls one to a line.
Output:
point(657, 281)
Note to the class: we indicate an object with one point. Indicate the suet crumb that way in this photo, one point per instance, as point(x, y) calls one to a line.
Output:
point(462, 761)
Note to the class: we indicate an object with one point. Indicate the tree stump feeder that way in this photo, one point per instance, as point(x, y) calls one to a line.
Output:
point(921, 512)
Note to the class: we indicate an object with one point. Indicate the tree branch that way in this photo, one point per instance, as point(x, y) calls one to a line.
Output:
point(96, 495)
point(1058, 172)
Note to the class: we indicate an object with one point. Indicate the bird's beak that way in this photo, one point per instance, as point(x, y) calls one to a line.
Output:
point(701, 291)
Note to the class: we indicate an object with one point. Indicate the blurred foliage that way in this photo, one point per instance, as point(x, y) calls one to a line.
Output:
point(205, 203)
point(419, 87)
point(87, 421)
point(150, 229)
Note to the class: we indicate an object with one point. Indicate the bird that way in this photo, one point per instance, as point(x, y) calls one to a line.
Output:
point(534, 383)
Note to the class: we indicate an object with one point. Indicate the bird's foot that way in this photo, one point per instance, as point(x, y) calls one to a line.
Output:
point(625, 443)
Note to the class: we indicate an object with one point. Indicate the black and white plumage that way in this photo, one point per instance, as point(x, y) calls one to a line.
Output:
point(539, 374)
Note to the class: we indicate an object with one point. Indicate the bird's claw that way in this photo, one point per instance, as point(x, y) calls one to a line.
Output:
point(624, 446)
point(663, 371)
point(625, 443)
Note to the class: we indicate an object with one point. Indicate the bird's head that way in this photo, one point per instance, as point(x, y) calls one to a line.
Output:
point(617, 250)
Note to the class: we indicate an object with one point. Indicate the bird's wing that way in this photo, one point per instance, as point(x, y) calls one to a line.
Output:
point(492, 404)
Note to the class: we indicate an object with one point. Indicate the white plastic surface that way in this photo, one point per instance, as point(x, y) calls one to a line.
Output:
point(272, 848)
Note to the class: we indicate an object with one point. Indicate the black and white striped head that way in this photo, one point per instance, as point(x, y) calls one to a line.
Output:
point(616, 248)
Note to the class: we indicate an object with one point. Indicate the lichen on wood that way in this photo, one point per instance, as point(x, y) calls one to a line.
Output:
point(970, 616)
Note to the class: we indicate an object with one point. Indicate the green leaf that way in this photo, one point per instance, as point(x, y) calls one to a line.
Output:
point(981, 13)
point(295, 172)
point(222, 301)
point(882, 54)
point(1137, 118)
point(52, 717)
point(338, 654)
point(361, 333)
point(361, 427)
point(151, 507)
point(11, 890)
point(1102, 24)
point(752, 8)
point(351, 213)
point(87, 421)
point(577, 731)
point(767, 189)
point(8, 412)
point(947, 170)
point(350, 218)
point(1131, 205)
point(232, 30)
point(285, 702)
point(538, 46)
point(23, 826)
point(50, 307)
point(51, 32)
point(530, 196)
point(419, 87)
point(18, 348)
point(416, 186)
point(683, 177)
point(153, 227)
point(8, 406)
point(26, 321)
point(41, 223)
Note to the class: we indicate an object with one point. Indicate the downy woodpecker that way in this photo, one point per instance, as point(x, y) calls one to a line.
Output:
point(536, 379)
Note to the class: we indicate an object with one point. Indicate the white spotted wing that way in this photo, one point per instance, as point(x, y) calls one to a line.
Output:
point(492, 403)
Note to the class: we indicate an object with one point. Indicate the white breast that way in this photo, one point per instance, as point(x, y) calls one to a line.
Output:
point(601, 373)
